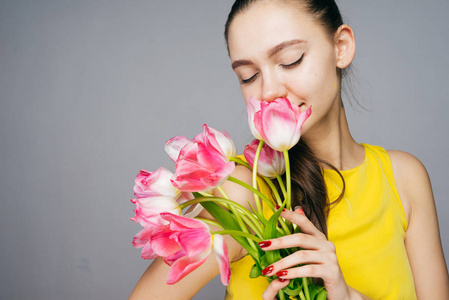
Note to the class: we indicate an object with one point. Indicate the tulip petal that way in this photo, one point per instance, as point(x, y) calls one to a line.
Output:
point(271, 162)
point(153, 184)
point(221, 253)
point(278, 122)
point(200, 168)
point(165, 243)
point(225, 142)
point(185, 265)
point(253, 106)
point(174, 146)
point(208, 138)
point(195, 241)
point(195, 212)
point(148, 209)
point(181, 223)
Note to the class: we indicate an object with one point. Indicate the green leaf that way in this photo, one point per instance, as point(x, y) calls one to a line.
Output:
point(255, 272)
point(293, 288)
point(263, 261)
point(316, 292)
point(322, 295)
point(270, 232)
point(260, 217)
point(228, 221)
point(197, 195)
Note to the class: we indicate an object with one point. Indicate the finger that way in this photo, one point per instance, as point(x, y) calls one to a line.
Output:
point(304, 241)
point(273, 288)
point(299, 258)
point(303, 222)
point(328, 273)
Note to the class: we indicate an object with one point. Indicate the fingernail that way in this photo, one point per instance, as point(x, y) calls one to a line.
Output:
point(277, 207)
point(283, 279)
point(265, 244)
point(282, 273)
point(299, 210)
point(267, 270)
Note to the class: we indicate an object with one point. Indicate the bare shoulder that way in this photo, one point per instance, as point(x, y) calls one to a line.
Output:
point(411, 178)
point(235, 191)
point(404, 162)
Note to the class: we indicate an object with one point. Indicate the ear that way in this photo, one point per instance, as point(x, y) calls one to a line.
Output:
point(344, 46)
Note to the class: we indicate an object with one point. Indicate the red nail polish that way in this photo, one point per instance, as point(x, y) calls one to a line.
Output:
point(265, 244)
point(267, 270)
point(283, 279)
point(277, 207)
point(298, 209)
point(282, 273)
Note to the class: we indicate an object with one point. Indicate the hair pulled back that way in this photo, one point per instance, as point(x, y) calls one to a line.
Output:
point(326, 12)
point(308, 186)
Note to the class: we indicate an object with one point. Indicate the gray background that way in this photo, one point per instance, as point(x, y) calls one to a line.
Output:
point(91, 90)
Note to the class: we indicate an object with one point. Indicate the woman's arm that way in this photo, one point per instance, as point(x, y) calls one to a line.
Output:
point(422, 239)
point(152, 284)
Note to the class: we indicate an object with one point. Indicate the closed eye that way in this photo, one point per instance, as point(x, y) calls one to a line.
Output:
point(294, 64)
point(244, 81)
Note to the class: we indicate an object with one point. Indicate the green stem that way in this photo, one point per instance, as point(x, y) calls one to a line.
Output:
point(240, 162)
point(204, 194)
point(281, 184)
point(279, 202)
point(288, 180)
point(281, 295)
point(256, 162)
point(301, 295)
point(238, 217)
point(223, 192)
point(252, 224)
point(241, 209)
point(255, 191)
point(239, 233)
point(274, 190)
point(305, 283)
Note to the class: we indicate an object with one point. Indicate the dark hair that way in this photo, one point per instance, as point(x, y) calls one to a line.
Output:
point(308, 186)
point(324, 11)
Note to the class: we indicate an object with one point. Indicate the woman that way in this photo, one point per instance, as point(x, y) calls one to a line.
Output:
point(298, 50)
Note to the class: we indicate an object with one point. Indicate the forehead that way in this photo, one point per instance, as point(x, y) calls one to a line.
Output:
point(263, 25)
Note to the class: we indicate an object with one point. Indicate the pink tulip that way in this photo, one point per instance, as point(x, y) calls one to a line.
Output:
point(184, 244)
point(279, 123)
point(271, 162)
point(148, 210)
point(174, 145)
point(157, 183)
point(253, 106)
point(201, 167)
point(221, 253)
point(219, 140)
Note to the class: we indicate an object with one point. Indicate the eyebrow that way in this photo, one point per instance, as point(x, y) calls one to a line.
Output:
point(271, 52)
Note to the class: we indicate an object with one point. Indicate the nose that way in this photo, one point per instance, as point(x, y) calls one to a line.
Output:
point(272, 87)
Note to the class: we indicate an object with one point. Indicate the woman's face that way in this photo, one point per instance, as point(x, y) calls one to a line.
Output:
point(277, 51)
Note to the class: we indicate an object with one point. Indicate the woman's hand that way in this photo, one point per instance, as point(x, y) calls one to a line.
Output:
point(319, 257)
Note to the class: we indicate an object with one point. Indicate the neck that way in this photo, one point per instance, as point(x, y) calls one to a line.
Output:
point(332, 142)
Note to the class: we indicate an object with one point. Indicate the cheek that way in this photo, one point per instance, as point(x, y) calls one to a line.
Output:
point(322, 81)
point(252, 89)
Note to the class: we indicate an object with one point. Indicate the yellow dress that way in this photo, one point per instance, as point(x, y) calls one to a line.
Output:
point(368, 229)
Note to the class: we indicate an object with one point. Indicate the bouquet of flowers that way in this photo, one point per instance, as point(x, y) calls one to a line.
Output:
point(203, 164)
